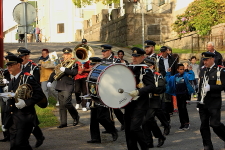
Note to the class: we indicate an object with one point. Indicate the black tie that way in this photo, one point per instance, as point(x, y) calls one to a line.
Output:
point(13, 80)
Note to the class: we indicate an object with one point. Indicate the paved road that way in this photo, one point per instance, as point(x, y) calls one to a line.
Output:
point(74, 138)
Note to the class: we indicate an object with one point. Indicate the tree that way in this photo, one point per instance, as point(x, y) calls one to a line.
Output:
point(200, 16)
point(80, 3)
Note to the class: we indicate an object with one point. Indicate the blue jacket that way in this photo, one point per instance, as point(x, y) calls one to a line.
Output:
point(171, 87)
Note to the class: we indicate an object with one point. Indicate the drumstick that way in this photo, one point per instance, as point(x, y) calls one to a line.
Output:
point(173, 62)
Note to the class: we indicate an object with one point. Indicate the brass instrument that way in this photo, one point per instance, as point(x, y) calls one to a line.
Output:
point(24, 92)
point(2, 77)
point(81, 53)
point(67, 64)
point(156, 62)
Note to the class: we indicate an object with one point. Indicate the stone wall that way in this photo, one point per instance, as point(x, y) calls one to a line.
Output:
point(127, 30)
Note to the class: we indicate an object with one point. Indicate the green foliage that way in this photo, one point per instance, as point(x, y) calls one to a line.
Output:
point(83, 3)
point(200, 16)
point(157, 48)
point(46, 115)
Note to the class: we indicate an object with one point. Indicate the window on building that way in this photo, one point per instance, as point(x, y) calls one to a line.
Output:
point(60, 28)
point(161, 2)
point(148, 5)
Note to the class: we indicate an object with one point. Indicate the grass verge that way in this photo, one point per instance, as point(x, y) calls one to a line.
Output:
point(46, 115)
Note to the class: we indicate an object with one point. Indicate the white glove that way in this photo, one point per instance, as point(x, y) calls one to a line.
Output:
point(5, 89)
point(207, 88)
point(134, 93)
point(21, 104)
point(197, 109)
point(62, 69)
point(4, 81)
point(4, 99)
point(49, 84)
point(3, 129)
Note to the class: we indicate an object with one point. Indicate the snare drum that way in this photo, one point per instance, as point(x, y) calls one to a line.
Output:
point(105, 80)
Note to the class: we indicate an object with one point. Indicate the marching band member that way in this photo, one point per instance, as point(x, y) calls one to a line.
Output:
point(7, 78)
point(80, 84)
point(161, 113)
point(149, 49)
point(21, 115)
point(33, 69)
point(212, 82)
point(100, 114)
point(108, 57)
point(27, 65)
point(65, 87)
point(136, 110)
point(150, 126)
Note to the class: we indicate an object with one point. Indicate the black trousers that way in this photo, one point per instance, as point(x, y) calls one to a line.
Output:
point(3, 116)
point(19, 137)
point(162, 116)
point(182, 108)
point(80, 87)
point(65, 104)
point(211, 117)
point(37, 132)
point(100, 115)
point(150, 126)
point(134, 134)
point(119, 115)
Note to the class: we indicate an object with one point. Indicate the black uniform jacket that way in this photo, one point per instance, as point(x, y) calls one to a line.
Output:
point(155, 100)
point(148, 79)
point(66, 82)
point(111, 59)
point(36, 71)
point(27, 115)
point(213, 97)
point(161, 65)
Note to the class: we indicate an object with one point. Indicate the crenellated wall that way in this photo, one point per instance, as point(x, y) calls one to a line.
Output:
point(127, 30)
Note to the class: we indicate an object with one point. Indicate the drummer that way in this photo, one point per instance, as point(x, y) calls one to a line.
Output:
point(100, 114)
point(136, 110)
point(108, 57)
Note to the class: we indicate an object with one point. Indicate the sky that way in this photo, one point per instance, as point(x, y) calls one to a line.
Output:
point(8, 6)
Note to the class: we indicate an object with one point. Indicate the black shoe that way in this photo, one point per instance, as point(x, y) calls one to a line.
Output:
point(150, 145)
point(62, 126)
point(114, 135)
point(76, 121)
point(94, 141)
point(122, 128)
point(40, 142)
point(4, 140)
point(161, 141)
point(167, 130)
point(208, 148)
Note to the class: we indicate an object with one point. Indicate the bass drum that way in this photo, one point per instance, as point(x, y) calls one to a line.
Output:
point(106, 80)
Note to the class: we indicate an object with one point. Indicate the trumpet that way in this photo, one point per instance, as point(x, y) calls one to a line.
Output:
point(204, 83)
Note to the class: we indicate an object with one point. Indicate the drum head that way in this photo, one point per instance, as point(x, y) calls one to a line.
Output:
point(115, 77)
